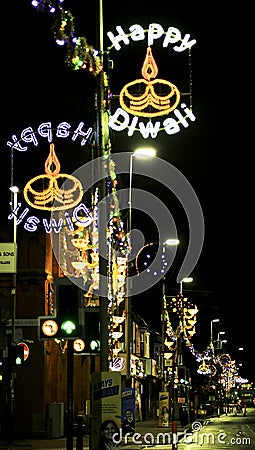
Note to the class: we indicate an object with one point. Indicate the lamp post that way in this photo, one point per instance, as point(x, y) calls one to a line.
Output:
point(171, 243)
point(240, 349)
point(212, 352)
point(14, 190)
point(185, 280)
point(219, 393)
point(211, 345)
point(219, 340)
point(177, 360)
point(144, 153)
point(220, 333)
point(212, 322)
point(11, 342)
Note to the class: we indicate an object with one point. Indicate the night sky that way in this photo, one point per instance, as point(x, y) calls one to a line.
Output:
point(38, 86)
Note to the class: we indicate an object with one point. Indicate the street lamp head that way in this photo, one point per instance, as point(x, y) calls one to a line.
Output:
point(14, 189)
point(144, 152)
point(187, 280)
point(172, 242)
point(215, 320)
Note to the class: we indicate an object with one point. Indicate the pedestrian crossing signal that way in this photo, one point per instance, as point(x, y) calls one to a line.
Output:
point(17, 352)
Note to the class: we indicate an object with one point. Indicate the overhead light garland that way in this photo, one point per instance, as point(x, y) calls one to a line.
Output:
point(186, 313)
point(80, 55)
point(46, 5)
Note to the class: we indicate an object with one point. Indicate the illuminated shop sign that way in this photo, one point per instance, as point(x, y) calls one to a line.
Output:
point(151, 97)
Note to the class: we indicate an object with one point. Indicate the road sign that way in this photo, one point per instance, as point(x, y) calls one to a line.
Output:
point(26, 349)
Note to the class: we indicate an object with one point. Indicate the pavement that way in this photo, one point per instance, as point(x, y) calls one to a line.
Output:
point(149, 433)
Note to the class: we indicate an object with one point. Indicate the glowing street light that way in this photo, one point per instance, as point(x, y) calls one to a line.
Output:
point(144, 153)
point(172, 242)
point(185, 280)
point(212, 322)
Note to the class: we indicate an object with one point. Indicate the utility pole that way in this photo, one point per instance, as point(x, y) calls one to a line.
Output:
point(163, 314)
point(69, 419)
point(102, 148)
point(11, 339)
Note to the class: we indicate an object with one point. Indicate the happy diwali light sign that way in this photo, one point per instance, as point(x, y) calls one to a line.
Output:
point(150, 97)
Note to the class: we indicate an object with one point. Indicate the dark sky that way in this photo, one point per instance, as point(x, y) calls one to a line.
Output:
point(38, 86)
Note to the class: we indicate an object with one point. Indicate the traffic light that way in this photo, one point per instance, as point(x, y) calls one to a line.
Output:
point(68, 301)
point(47, 328)
point(92, 330)
point(68, 321)
point(17, 354)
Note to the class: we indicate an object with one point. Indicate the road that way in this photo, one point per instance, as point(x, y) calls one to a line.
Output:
point(217, 433)
point(223, 432)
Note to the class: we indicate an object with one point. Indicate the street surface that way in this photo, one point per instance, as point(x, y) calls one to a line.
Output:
point(217, 433)
point(225, 432)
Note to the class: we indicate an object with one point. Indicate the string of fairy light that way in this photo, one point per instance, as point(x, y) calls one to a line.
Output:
point(80, 55)
point(181, 308)
point(209, 364)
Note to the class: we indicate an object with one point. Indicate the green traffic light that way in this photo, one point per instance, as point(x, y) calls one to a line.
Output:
point(68, 327)
point(18, 361)
point(95, 345)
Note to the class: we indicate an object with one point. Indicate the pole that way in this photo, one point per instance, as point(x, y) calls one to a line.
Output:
point(10, 394)
point(130, 197)
point(11, 341)
point(69, 418)
point(174, 435)
point(102, 139)
point(14, 289)
point(129, 280)
point(174, 423)
point(163, 387)
point(177, 352)
point(212, 352)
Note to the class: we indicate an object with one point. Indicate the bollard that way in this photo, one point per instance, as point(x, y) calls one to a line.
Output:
point(174, 435)
point(79, 439)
